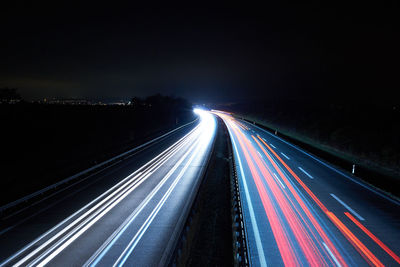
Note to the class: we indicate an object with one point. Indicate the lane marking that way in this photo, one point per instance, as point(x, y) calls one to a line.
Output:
point(58, 201)
point(151, 142)
point(115, 236)
point(51, 195)
point(360, 247)
point(135, 240)
point(347, 207)
point(73, 236)
point(259, 154)
point(270, 144)
point(278, 180)
point(98, 255)
point(373, 237)
point(306, 173)
point(361, 183)
point(285, 156)
point(256, 232)
point(331, 254)
point(121, 186)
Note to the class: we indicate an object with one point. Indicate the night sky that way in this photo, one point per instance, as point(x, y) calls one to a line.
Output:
point(218, 55)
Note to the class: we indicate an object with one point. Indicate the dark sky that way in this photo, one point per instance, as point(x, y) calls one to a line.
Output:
point(219, 54)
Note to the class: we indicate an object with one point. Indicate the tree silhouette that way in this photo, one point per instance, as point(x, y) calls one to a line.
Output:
point(9, 94)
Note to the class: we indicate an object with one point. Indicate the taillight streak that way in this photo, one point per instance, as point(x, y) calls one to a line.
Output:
point(360, 247)
point(284, 246)
point(312, 255)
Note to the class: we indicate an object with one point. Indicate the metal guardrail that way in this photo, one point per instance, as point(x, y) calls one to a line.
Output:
point(240, 251)
point(102, 164)
point(188, 219)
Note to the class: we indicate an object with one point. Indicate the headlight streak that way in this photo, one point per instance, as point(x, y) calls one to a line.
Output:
point(65, 244)
point(91, 222)
point(152, 165)
point(99, 213)
point(135, 240)
point(96, 257)
point(105, 247)
point(207, 130)
point(47, 251)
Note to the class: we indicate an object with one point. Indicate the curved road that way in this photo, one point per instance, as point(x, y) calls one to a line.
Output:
point(134, 222)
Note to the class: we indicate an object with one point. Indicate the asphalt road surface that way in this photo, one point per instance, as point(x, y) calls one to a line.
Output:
point(299, 210)
point(130, 214)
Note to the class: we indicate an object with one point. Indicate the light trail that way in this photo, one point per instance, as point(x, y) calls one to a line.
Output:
point(199, 143)
point(74, 237)
point(49, 245)
point(100, 209)
point(135, 240)
point(303, 240)
point(254, 224)
point(373, 237)
point(292, 216)
point(360, 247)
point(285, 247)
point(104, 248)
point(302, 236)
point(347, 207)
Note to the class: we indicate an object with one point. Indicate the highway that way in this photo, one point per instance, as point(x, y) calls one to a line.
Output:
point(132, 217)
point(300, 211)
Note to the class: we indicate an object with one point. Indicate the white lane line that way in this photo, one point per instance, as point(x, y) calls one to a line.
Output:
point(256, 232)
point(270, 144)
point(67, 242)
point(259, 154)
point(73, 236)
point(285, 156)
point(120, 189)
point(347, 207)
point(135, 240)
point(279, 180)
point(114, 237)
point(306, 173)
point(396, 202)
point(331, 254)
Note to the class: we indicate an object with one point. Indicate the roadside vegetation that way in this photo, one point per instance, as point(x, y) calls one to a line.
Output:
point(365, 135)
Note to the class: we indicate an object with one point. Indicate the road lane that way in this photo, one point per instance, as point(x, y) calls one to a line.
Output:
point(290, 213)
point(135, 220)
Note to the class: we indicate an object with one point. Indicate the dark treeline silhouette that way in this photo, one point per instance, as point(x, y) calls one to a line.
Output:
point(44, 143)
point(9, 94)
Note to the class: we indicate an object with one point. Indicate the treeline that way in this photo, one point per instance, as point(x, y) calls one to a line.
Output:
point(41, 144)
point(8, 95)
